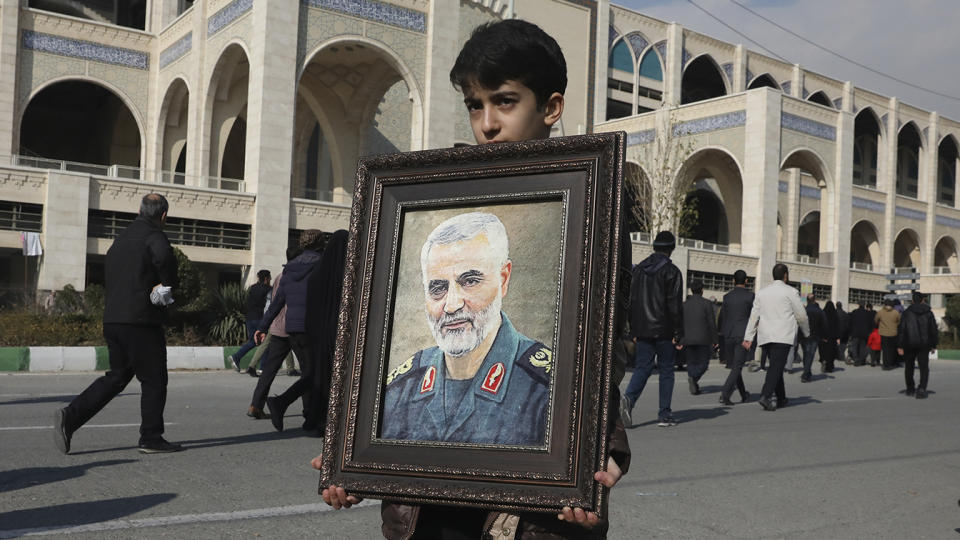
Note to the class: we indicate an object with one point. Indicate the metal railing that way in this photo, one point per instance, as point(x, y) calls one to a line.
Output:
point(798, 257)
point(130, 173)
point(16, 216)
point(861, 266)
point(700, 244)
point(941, 270)
point(180, 231)
point(312, 194)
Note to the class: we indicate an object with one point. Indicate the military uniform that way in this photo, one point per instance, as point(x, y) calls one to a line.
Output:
point(506, 402)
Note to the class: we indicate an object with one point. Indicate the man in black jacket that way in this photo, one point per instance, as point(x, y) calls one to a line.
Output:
point(917, 335)
point(139, 262)
point(656, 322)
point(818, 323)
point(699, 335)
point(861, 324)
point(844, 333)
point(257, 296)
point(734, 315)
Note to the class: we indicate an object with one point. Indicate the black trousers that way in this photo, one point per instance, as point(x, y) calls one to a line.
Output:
point(736, 356)
point(134, 350)
point(277, 349)
point(698, 360)
point(828, 353)
point(773, 382)
point(922, 356)
point(888, 344)
point(858, 349)
point(313, 385)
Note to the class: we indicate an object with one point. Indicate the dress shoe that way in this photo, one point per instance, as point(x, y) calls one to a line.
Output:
point(252, 372)
point(921, 393)
point(725, 401)
point(256, 413)
point(767, 404)
point(744, 397)
point(782, 403)
point(910, 391)
point(694, 387)
point(625, 414)
point(805, 378)
point(61, 435)
point(235, 361)
point(159, 446)
point(276, 412)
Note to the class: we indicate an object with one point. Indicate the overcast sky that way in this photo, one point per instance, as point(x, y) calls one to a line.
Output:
point(914, 40)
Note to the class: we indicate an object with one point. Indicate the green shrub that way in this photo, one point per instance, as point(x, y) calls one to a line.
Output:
point(191, 294)
point(24, 328)
point(228, 314)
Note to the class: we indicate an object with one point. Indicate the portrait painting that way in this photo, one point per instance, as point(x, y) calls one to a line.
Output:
point(473, 363)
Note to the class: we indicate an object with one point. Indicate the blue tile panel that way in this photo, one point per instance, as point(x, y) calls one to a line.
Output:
point(948, 222)
point(612, 36)
point(809, 192)
point(227, 15)
point(85, 50)
point(376, 11)
point(749, 75)
point(181, 47)
point(710, 123)
point(638, 43)
point(810, 127)
point(910, 213)
point(686, 57)
point(783, 187)
point(641, 137)
point(884, 120)
point(838, 103)
point(661, 47)
point(867, 204)
point(728, 69)
point(786, 86)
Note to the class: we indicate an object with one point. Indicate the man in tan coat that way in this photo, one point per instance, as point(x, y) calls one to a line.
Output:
point(887, 320)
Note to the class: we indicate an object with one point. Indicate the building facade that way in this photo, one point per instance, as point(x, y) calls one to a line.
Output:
point(249, 117)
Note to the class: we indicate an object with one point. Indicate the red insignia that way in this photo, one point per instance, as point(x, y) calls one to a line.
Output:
point(429, 378)
point(491, 383)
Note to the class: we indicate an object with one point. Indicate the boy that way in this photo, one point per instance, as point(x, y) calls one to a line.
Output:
point(512, 75)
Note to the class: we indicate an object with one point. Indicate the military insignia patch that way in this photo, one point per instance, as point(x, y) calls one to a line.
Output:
point(491, 383)
point(429, 378)
point(542, 359)
point(400, 370)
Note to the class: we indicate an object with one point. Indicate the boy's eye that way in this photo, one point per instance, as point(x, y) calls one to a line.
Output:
point(474, 105)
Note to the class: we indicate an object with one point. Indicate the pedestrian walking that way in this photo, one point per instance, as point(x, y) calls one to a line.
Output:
point(875, 344)
point(831, 338)
point(734, 314)
point(257, 296)
point(917, 336)
point(140, 273)
point(656, 322)
point(699, 335)
point(817, 324)
point(776, 315)
point(887, 320)
point(861, 324)
point(844, 334)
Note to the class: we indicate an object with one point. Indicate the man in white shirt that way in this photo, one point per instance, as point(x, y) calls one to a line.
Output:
point(777, 313)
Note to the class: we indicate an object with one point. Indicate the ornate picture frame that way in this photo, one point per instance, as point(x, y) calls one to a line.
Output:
point(526, 431)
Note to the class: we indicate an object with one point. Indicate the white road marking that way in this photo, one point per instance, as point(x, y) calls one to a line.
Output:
point(24, 428)
point(184, 519)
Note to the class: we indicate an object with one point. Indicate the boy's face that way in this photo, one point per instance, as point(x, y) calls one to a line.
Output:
point(509, 113)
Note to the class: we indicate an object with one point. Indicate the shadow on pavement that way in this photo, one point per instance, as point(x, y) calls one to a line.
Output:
point(800, 400)
point(691, 415)
point(19, 522)
point(35, 476)
point(215, 441)
point(52, 399)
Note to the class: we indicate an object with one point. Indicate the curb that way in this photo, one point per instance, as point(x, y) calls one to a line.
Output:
point(56, 359)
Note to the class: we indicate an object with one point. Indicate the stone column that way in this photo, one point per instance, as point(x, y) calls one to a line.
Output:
point(601, 59)
point(761, 166)
point(796, 82)
point(64, 237)
point(889, 184)
point(440, 99)
point(197, 99)
point(847, 105)
point(9, 40)
point(928, 193)
point(270, 120)
point(160, 13)
point(739, 81)
point(791, 224)
point(842, 203)
point(673, 70)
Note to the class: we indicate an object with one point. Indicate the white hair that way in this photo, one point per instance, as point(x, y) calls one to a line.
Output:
point(465, 227)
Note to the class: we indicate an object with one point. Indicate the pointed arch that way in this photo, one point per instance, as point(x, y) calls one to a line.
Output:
point(172, 128)
point(651, 66)
point(948, 157)
point(763, 80)
point(945, 255)
point(865, 243)
point(906, 249)
point(909, 160)
point(702, 79)
point(821, 98)
point(716, 169)
point(621, 57)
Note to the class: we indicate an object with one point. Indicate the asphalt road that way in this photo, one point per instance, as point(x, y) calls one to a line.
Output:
point(851, 457)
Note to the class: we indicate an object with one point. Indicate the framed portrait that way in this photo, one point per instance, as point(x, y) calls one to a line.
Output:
point(475, 339)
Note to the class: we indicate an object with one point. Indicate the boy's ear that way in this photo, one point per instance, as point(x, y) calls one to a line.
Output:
point(553, 109)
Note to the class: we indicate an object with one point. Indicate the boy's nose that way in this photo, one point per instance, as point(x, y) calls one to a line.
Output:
point(490, 124)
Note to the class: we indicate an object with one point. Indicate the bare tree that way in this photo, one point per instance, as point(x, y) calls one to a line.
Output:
point(658, 187)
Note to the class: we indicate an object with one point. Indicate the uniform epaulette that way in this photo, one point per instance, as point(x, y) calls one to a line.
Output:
point(537, 360)
point(401, 370)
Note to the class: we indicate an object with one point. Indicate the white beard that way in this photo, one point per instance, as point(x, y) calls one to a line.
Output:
point(459, 342)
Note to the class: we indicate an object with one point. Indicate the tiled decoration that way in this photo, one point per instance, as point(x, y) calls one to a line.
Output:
point(710, 123)
point(783, 187)
point(390, 130)
point(867, 204)
point(641, 137)
point(749, 76)
point(926, 133)
point(661, 47)
point(613, 35)
point(883, 119)
point(786, 86)
point(375, 11)
point(810, 192)
point(810, 127)
point(179, 48)
point(838, 103)
point(227, 15)
point(806, 93)
point(686, 57)
point(638, 43)
point(948, 222)
point(910, 213)
point(85, 50)
point(728, 69)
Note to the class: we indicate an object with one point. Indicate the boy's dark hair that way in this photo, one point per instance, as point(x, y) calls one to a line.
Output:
point(262, 275)
point(739, 277)
point(696, 286)
point(511, 50)
point(153, 206)
point(779, 271)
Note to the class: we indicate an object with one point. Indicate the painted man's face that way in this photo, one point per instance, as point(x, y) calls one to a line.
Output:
point(465, 284)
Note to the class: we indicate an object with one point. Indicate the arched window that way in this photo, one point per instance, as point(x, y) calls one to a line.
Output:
point(865, 161)
point(621, 58)
point(908, 172)
point(650, 66)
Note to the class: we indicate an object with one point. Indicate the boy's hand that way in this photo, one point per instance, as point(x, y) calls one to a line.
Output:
point(338, 498)
point(608, 478)
point(258, 338)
